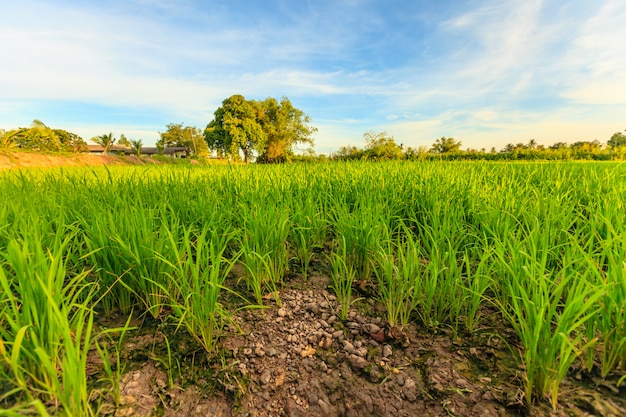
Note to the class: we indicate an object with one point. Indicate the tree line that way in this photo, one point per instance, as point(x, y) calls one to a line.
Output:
point(270, 130)
point(381, 146)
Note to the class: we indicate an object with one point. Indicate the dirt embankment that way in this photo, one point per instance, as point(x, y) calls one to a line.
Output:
point(10, 160)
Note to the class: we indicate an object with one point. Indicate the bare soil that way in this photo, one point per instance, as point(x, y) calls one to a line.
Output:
point(13, 160)
point(300, 359)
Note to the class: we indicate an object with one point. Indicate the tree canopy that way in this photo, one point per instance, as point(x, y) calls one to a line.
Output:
point(617, 140)
point(381, 146)
point(185, 136)
point(106, 140)
point(269, 128)
point(42, 138)
point(446, 145)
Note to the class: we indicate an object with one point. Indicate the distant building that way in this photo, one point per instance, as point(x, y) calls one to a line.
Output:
point(174, 151)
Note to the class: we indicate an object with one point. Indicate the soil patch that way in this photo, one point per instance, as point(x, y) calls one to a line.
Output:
point(298, 359)
point(9, 160)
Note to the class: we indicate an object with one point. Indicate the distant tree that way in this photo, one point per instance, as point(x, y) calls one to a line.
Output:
point(284, 126)
point(420, 153)
point(123, 141)
point(136, 146)
point(43, 138)
point(532, 144)
point(105, 140)
point(235, 128)
point(446, 145)
point(559, 146)
point(617, 140)
point(6, 139)
point(178, 135)
point(348, 153)
point(381, 146)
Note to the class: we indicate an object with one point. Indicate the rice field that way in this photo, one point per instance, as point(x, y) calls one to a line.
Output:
point(440, 243)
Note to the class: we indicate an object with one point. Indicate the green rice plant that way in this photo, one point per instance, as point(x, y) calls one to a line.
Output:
point(398, 272)
point(361, 229)
point(475, 285)
point(343, 275)
point(263, 243)
point(47, 324)
point(198, 276)
point(440, 286)
point(547, 309)
point(612, 317)
point(308, 233)
point(127, 253)
point(112, 364)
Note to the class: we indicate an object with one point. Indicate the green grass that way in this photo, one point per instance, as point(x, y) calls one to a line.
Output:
point(439, 242)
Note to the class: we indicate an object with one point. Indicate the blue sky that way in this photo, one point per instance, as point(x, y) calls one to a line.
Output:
point(486, 72)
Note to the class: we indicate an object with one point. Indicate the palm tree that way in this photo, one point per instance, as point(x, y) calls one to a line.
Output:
point(136, 146)
point(105, 140)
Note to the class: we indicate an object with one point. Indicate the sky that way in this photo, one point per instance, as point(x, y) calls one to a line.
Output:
point(486, 72)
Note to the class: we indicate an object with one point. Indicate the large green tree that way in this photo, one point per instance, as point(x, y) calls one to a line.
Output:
point(285, 126)
point(179, 135)
point(235, 128)
point(268, 127)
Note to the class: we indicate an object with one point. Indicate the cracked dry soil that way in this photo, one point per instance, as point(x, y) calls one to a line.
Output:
point(299, 359)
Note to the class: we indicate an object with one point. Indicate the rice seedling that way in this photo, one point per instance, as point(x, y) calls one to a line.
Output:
point(263, 243)
point(361, 229)
point(46, 339)
point(475, 286)
point(308, 233)
point(546, 308)
point(343, 275)
point(198, 276)
point(399, 270)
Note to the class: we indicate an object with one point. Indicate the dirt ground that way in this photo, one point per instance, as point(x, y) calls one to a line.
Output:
point(299, 359)
point(9, 160)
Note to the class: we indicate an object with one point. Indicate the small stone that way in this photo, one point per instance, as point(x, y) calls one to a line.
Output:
point(338, 334)
point(378, 337)
point(324, 407)
point(312, 308)
point(323, 366)
point(357, 362)
point(271, 351)
point(400, 380)
point(348, 347)
point(266, 376)
point(332, 319)
point(362, 351)
point(326, 343)
point(282, 312)
point(370, 328)
point(387, 352)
